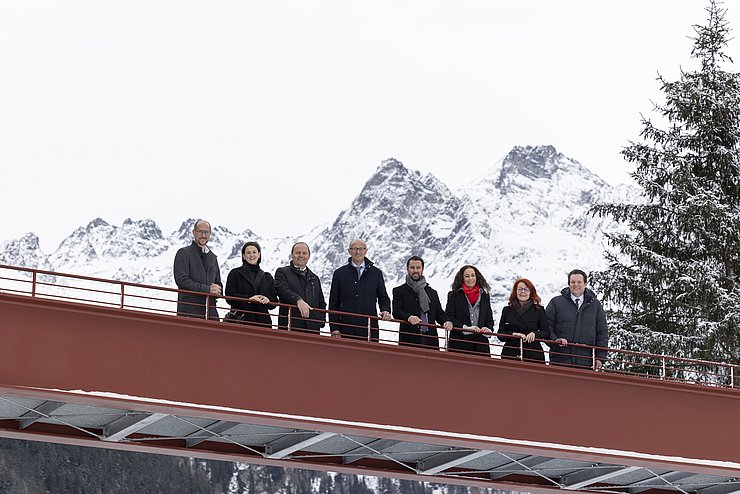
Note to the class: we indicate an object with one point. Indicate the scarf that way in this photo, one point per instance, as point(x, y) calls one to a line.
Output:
point(521, 308)
point(471, 293)
point(418, 288)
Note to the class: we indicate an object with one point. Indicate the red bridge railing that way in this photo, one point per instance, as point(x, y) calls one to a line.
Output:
point(163, 300)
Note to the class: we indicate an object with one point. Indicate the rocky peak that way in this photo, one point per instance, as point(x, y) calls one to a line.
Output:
point(531, 161)
point(526, 165)
point(183, 234)
point(96, 223)
point(146, 229)
point(24, 251)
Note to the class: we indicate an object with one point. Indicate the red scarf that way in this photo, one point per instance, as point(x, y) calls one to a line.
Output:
point(471, 293)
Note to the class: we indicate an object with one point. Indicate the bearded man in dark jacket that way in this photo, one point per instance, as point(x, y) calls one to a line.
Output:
point(576, 316)
point(357, 287)
point(418, 303)
point(297, 285)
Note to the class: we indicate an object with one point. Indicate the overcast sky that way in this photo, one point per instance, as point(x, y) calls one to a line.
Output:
point(272, 115)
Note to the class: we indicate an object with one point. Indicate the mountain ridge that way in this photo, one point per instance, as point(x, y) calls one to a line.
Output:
point(527, 216)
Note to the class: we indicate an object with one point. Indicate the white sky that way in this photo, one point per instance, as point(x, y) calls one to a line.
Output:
point(272, 115)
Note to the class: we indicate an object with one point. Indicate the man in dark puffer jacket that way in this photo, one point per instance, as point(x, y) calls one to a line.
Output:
point(576, 316)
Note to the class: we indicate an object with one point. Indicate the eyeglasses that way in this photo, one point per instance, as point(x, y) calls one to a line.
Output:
point(522, 289)
point(358, 249)
point(202, 232)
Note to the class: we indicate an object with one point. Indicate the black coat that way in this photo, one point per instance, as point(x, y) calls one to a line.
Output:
point(458, 311)
point(586, 325)
point(405, 305)
point(241, 284)
point(291, 285)
point(533, 320)
point(196, 272)
point(348, 294)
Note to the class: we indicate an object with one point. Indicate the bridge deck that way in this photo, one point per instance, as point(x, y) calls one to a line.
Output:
point(116, 378)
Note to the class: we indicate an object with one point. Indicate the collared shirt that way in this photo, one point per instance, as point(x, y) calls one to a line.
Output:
point(359, 268)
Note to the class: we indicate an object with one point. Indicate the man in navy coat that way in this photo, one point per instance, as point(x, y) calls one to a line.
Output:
point(357, 287)
point(196, 270)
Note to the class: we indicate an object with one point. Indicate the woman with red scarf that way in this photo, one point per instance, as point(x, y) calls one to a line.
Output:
point(469, 310)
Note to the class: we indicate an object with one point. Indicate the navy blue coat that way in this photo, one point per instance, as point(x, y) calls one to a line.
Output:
point(348, 294)
point(196, 272)
point(586, 325)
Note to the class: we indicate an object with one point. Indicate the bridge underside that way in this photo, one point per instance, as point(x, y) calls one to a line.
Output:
point(115, 379)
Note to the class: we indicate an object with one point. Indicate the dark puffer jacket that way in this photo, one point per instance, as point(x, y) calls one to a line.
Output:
point(586, 325)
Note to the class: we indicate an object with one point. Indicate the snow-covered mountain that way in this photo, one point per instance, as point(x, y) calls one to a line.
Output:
point(526, 217)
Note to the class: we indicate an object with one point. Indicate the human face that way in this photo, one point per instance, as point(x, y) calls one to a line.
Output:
point(522, 292)
point(251, 255)
point(357, 250)
point(469, 278)
point(201, 233)
point(300, 255)
point(577, 284)
point(415, 270)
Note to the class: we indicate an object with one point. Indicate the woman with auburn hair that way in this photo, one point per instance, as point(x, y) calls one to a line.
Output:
point(469, 310)
point(524, 319)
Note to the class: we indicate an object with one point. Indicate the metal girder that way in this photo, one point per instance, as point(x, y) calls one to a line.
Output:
point(517, 466)
point(449, 459)
point(731, 487)
point(658, 480)
point(375, 447)
point(579, 480)
point(128, 424)
point(38, 413)
point(282, 447)
point(208, 432)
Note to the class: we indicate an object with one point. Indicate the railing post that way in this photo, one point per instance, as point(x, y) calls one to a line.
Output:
point(447, 340)
point(732, 376)
point(521, 349)
point(208, 305)
point(290, 317)
point(662, 367)
point(370, 330)
point(593, 358)
point(33, 284)
point(122, 296)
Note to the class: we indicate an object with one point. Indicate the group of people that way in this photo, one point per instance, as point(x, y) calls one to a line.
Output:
point(358, 290)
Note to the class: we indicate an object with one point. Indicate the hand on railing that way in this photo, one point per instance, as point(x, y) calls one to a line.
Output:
point(527, 338)
point(303, 308)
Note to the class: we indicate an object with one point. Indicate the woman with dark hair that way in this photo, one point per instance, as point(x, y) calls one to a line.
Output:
point(524, 319)
point(469, 310)
point(250, 282)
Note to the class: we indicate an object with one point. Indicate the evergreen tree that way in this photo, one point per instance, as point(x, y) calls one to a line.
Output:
point(674, 275)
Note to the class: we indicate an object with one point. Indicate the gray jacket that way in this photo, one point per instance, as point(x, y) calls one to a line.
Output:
point(586, 325)
point(195, 271)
